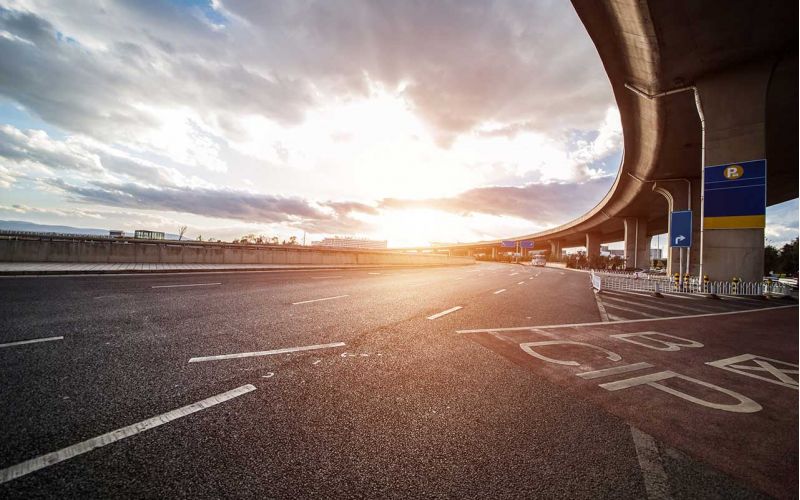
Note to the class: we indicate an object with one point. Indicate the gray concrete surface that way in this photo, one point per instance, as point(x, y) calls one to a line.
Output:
point(46, 268)
point(124, 251)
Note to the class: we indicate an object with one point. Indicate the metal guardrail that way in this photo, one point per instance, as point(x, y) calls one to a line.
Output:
point(639, 282)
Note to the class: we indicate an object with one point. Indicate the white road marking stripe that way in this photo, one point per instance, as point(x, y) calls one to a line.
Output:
point(500, 291)
point(31, 341)
point(513, 274)
point(325, 277)
point(439, 315)
point(600, 308)
point(521, 283)
point(193, 284)
point(656, 482)
point(318, 300)
point(701, 304)
point(532, 277)
point(618, 322)
point(627, 309)
point(63, 454)
point(373, 273)
point(266, 353)
point(661, 307)
point(614, 370)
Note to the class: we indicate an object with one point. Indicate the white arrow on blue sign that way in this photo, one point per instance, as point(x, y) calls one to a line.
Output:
point(680, 229)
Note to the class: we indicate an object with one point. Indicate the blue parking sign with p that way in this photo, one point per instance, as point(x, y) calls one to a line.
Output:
point(680, 229)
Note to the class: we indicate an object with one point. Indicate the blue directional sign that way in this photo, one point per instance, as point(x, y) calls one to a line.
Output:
point(508, 244)
point(735, 195)
point(526, 244)
point(680, 229)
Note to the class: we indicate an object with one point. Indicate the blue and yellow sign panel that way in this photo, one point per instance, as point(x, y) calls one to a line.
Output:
point(735, 195)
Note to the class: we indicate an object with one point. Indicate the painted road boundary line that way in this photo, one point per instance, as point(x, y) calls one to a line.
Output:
point(606, 323)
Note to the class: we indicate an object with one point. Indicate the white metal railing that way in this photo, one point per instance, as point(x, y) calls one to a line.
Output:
point(649, 283)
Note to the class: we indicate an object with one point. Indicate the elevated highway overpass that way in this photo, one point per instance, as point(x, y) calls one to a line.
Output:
point(697, 84)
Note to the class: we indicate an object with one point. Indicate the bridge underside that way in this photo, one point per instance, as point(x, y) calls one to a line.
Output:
point(741, 57)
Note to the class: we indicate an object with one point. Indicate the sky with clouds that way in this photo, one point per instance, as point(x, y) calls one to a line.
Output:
point(408, 121)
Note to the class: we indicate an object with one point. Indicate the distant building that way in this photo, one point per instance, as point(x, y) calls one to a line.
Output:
point(116, 234)
point(141, 234)
point(655, 253)
point(339, 242)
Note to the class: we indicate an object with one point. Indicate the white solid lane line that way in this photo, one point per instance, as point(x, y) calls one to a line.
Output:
point(620, 322)
point(55, 457)
point(521, 283)
point(31, 341)
point(266, 353)
point(319, 300)
point(439, 315)
point(193, 284)
point(325, 277)
point(500, 291)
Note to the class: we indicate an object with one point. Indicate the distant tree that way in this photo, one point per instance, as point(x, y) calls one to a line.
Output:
point(181, 232)
point(274, 240)
point(771, 259)
point(789, 258)
point(292, 240)
point(199, 237)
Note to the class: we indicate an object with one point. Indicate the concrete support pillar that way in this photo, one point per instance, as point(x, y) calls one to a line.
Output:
point(592, 247)
point(683, 194)
point(494, 253)
point(555, 250)
point(637, 243)
point(734, 104)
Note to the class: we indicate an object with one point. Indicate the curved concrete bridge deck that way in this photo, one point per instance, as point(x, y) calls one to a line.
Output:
point(740, 59)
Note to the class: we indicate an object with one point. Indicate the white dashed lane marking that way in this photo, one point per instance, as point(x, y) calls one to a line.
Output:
point(443, 313)
point(318, 300)
point(285, 350)
point(30, 341)
point(63, 454)
point(180, 286)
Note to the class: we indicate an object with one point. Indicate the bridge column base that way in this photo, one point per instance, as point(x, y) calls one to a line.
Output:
point(735, 105)
point(637, 243)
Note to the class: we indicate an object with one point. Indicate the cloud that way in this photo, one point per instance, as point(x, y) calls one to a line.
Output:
point(220, 203)
point(547, 204)
point(460, 63)
point(75, 154)
point(111, 93)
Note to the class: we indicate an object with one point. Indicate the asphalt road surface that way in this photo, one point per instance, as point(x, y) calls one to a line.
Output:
point(389, 383)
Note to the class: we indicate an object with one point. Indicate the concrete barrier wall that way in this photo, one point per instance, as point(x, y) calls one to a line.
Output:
point(127, 251)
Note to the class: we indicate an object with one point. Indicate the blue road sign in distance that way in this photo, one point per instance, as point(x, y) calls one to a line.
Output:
point(508, 244)
point(680, 229)
point(735, 195)
point(527, 243)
